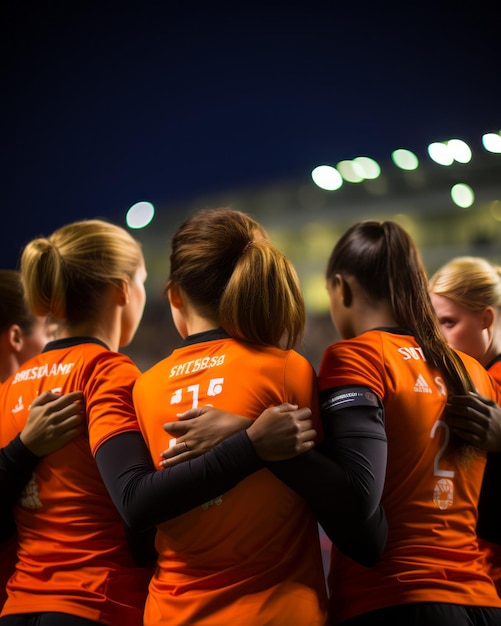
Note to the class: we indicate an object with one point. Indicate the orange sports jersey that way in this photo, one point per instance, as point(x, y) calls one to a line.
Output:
point(73, 555)
point(495, 370)
point(432, 554)
point(252, 555)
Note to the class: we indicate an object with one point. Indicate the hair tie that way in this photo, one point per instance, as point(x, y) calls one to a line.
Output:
point(249, 243)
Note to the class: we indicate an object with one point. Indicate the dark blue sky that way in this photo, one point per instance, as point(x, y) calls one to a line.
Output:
point(108, 103)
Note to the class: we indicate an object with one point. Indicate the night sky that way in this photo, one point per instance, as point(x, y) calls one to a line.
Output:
point(109, 103)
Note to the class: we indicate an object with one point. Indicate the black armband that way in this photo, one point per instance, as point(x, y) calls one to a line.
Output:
point(364, 408)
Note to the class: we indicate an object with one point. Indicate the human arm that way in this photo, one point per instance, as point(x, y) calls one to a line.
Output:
point(53, 421)
point(146, 497)
point(199, 430)
point(350, 463)
point(355, 441)
point(342, 479)
point(475, 419)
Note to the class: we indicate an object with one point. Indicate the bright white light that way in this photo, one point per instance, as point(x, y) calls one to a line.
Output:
point(460, 150)
point(351, 171)
point(369, 168)
point(440, 153)
point(462, 195)
point(405, 159)
point(140, 215)
point(327, 177)
point(492, 142)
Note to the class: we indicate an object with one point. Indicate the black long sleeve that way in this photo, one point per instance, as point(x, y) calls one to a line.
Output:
point(342, 479)
point(17, 464)
point(146, 496)
point(489, 506)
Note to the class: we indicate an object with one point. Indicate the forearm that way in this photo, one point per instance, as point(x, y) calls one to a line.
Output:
point(145, 496)
point(17, 464)
point(344, 500)
point(16, 467)
point(342, 479)
point(348, 484)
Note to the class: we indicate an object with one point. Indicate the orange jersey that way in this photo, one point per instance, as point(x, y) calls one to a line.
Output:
point(252, 555)
point(73, 556)
point(432, 554)
point(495, 370)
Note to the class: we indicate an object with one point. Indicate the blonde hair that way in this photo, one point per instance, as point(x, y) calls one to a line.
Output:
point(471, 282)
point(66, 274)
point(225, 263)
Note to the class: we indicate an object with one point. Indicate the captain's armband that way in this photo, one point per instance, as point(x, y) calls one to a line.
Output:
point(352, 412)
point(341, 398)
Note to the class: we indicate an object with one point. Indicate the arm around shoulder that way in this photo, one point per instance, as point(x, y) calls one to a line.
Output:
point(342, 479)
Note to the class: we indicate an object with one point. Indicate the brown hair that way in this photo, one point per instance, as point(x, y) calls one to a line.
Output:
point(65, 275)
point(225, 263)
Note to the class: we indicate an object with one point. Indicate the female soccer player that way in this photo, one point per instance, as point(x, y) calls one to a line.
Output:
point(76, 565)
point(466, 294)
point(251, 555)
point(431, 571)
point(52, 422)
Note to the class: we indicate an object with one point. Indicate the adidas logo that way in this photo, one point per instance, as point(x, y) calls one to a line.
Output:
point(421, 385)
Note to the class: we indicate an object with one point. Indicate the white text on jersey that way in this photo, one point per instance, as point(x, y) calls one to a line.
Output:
point(196, 365)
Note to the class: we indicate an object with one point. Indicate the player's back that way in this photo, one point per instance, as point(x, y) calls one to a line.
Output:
point(72, 542)
point(253, 553)
point(430, 495)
